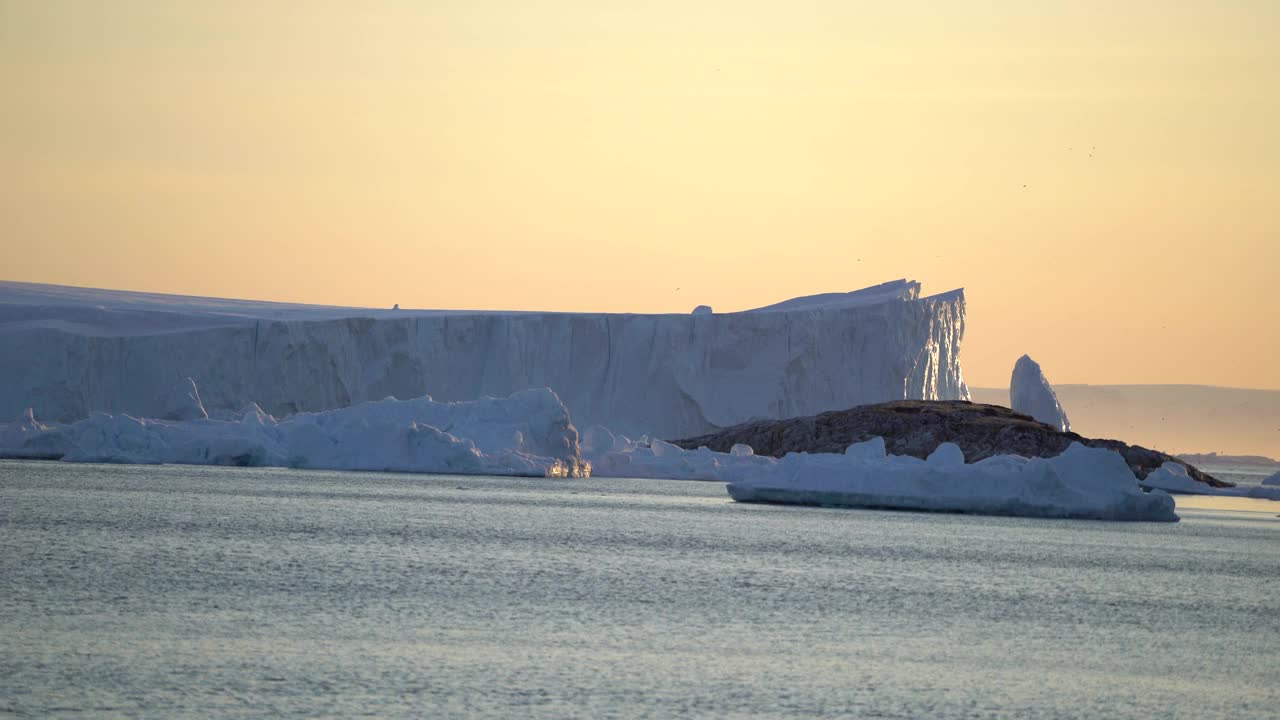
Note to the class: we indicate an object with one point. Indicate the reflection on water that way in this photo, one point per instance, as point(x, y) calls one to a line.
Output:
point(178, 591)
point(1235, 504)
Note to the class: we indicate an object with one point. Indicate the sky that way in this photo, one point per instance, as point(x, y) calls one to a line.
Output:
point(1102, 178)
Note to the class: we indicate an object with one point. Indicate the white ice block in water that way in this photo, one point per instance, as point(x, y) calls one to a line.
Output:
point(1173, 477)
point(69, 352)
point(528, 433)
point(1081, 483)
point(1031, 394)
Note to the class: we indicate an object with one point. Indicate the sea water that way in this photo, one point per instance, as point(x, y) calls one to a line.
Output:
point(215, 592)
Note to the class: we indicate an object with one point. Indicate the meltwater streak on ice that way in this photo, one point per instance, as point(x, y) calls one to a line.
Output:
point(68, 352)
point(174, 592)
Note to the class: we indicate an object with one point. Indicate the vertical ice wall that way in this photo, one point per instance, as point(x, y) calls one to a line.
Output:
point(671, 375)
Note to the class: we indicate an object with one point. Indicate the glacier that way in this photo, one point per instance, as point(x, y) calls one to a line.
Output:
point(528, 434)
point(1082, 482)
point(69, 352)
point(1031, 394)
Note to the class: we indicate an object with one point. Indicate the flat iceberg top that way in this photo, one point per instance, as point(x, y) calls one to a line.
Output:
point(93, 311)
point(69, 352)
point(124, 312)
point(884, 292)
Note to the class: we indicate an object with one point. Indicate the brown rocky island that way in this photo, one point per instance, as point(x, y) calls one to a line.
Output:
point(917, 427)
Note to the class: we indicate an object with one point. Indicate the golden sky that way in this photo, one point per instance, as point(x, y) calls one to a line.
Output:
point(1102, 177)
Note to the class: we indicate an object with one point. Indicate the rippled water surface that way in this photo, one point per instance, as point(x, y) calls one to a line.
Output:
point(195, 592)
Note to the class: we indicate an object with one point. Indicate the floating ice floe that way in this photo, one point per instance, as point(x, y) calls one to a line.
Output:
point(1080, 483)
point(528, 433)
point(1173, 477)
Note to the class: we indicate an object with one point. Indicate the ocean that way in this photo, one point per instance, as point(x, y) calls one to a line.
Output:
point(172, 591)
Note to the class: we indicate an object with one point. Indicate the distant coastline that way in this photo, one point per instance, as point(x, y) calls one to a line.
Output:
point(1182, 420)
point(1216, 458)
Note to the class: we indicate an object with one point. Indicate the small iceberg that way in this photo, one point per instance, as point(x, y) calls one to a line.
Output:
point(1082, 482)
point(1173, 477)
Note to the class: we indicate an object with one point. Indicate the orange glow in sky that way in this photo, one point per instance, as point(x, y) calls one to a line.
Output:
point(1102, 178)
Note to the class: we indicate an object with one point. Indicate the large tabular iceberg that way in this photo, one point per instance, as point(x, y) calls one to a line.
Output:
point(1080, 483)
point(68, 352)
point(1031, 394)
point(528, 433)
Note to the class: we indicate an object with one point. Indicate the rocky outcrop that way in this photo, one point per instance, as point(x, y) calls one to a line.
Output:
point(917, 428)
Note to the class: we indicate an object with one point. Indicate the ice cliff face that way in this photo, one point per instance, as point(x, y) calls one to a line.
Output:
point(68, 352)
point(1031, 394)
point(528, 433)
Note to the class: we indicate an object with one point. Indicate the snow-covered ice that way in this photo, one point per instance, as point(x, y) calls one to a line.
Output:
point(1031, 394)
point(1174, 478)
point(528, 433)
point(1080, 483)
point(68, 352)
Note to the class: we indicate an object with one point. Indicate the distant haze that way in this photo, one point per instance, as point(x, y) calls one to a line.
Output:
point(1103, 178)
point(1172, 418)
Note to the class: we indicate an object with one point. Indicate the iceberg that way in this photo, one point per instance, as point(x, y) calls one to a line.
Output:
point(1031, 394)
point(70, 352)
point(1172, 477)
point(660, 460)
point(1082, 482)
point(528, 433)
point(1261, 492)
